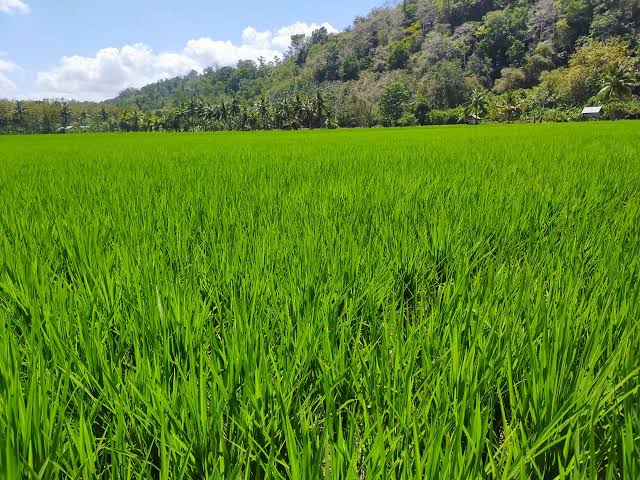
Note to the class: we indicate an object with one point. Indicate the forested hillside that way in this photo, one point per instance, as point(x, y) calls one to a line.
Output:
point(417, 62)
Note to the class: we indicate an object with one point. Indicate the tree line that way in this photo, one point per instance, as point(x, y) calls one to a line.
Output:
point(198, 114)
point(416, 62)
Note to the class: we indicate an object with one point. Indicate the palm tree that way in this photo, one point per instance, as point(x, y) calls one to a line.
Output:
point(618, 81)
point(263, 113)
point(65, 114)
point(223, 114)
point(151, 122)
point(137, 119)
point(543, 95)
point(125, 121)
point(243, 118)
point(208, 115)
point(19, 114)
point(104, 116)
point(320, 109)
point(307, 114)
point(298, 112)
point(281, 115)
point(252, 119)
point(234, 112)
point(172, 120)
point(510, 107)
point(83, 117)
point(477, 105)
point(192, 110)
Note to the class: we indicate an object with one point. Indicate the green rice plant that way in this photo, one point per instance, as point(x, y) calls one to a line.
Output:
point(442, 302)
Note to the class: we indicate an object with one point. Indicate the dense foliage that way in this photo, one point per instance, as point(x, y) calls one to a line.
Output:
point(545, 57)
point(401, 303)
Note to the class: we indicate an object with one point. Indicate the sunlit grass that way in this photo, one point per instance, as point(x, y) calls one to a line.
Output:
point(420, 303)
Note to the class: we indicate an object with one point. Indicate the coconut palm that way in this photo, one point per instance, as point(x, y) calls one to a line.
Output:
point(137, 120)
point(281, 116)
point(618, 82)
point(104, 116)
point(510, 107)
point(172, 120)
point(65, 114)
point(477, 105)
point(83, 117)
point(320, 109)
point(542, 96)
point(263, 113)
point(298, 109)
point(208, 115)
point(192, 113)
point(307, 114)
point(222, 114)
point(19, 115)
point(243, 118)
point(234, 112)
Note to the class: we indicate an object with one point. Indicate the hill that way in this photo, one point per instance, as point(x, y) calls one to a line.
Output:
point(416, 62)
point(440, 51)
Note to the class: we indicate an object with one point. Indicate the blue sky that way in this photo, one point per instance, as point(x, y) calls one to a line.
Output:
point(93, 49)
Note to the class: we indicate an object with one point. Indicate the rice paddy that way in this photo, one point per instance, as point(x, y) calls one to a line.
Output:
point(452, 302)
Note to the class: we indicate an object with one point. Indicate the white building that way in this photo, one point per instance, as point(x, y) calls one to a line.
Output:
point(592, 112)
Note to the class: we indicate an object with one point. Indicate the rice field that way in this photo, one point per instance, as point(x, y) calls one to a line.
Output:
point(445, 302)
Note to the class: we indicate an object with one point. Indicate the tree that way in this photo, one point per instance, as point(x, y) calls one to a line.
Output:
point(83, 117)
point(223, 114)
point(438, 46)
point(393, 102)
point(537, 62)
point(298, 49)
point(297, 112)
point(19, 115)
point(477, 105)
point(398, 54)
point(137, 119)
point(444, 85)
point(542, 96)
point(234, 112)
point(320, 111)
point(319, 36)
point(104, 116)
point(65, 115)
point(5, 116)
point(264, 114)
point(510, 108)
point(350, 68)
point(605, 25)
point(583, 78)
point(544, 16)
point(618, 82)
point(510, 79)
point(500, 36)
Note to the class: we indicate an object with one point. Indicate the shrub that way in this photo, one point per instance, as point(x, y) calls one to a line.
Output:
point(449, 116)
point(408, 120)
point(622, 110)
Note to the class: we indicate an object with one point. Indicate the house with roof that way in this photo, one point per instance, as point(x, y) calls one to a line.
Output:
point(592, 113)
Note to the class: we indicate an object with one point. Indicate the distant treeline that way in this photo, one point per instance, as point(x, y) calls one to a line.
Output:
point(418, 62)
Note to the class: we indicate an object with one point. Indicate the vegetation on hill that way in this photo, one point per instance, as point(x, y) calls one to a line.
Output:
point(417, 62)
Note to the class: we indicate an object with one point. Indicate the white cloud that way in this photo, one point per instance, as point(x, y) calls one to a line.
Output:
point(208, 52)
point(112, 70)
point(282, 37)
point(6, 84)
point(8, 66)
point(252, 37)
point(14, 6)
